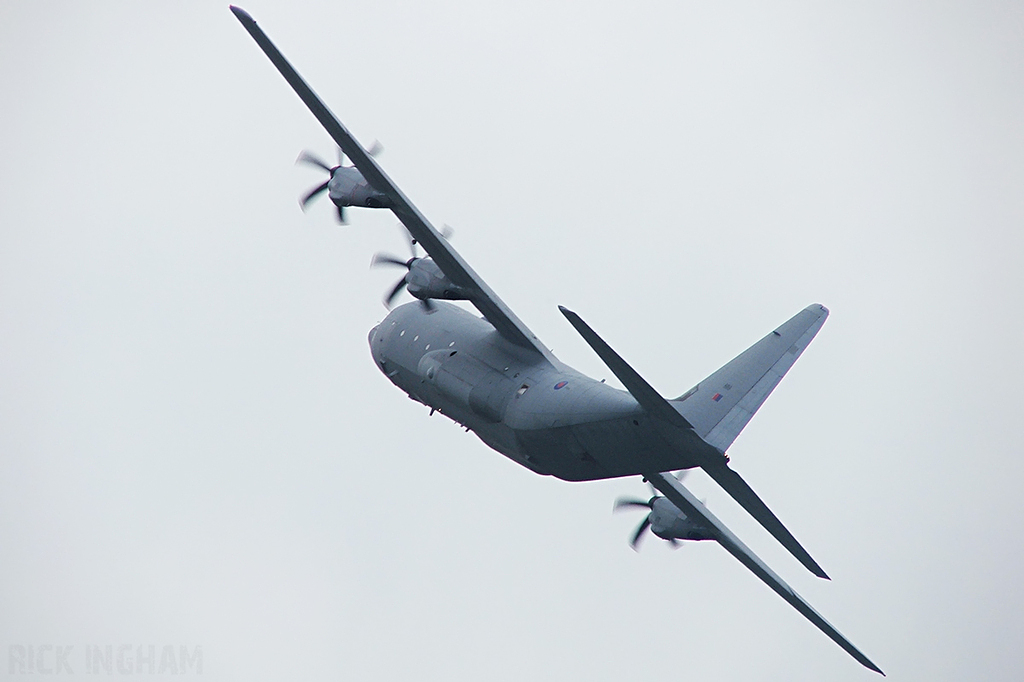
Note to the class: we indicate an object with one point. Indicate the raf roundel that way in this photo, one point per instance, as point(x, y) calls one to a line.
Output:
point(561, 384)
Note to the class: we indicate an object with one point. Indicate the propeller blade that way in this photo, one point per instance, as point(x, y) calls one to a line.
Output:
point(313, 195)
point(393, 293)
point(341, 157)
point(375, 149)
point(387, 259)
point(629, 502)
point(427, 304)
point(341, 216)
point(634, 542)
point(674, 543)
point(306, 157)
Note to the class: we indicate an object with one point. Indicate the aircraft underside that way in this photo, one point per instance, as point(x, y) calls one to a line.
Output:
point(553, 420)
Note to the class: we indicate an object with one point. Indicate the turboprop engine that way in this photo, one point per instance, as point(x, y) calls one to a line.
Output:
point(424, 278)
point(666, 521)
point(345, 185)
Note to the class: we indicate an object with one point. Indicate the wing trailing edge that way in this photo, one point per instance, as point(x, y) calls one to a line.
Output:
point(683, 499)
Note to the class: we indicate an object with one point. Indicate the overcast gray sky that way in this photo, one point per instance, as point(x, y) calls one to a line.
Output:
point(197, 449)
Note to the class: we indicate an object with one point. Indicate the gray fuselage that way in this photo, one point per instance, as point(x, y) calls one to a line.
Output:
point(545, 416)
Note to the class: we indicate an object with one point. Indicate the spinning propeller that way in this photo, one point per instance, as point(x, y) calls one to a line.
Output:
point(380, 258)
point(311, 159)
point(624, 502)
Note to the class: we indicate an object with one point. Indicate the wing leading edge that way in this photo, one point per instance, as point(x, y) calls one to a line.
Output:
point(682, 498)
point(451, 263)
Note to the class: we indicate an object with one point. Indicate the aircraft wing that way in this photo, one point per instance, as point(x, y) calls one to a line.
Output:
point(450, 262)
point(682, 498)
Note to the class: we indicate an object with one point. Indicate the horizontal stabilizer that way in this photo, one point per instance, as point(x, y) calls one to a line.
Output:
point(738, 489)
point(642, 391)
point(713, 463)
point(682, 498)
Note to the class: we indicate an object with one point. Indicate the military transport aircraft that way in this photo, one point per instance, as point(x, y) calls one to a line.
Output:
point(493, 376)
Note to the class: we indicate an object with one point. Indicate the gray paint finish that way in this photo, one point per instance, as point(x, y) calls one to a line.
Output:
point(457, 364)
point(187, 383)
point(497, 379)
point(745, 383)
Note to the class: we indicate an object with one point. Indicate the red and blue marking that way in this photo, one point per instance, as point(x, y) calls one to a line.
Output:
point(561, 384)
point(716, 397)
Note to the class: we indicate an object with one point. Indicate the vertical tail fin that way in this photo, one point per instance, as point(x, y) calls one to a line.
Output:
point(721, 406)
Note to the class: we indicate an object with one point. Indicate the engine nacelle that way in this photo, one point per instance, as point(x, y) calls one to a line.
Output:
point(668, 522)
point(425, 280)
point(348, 187)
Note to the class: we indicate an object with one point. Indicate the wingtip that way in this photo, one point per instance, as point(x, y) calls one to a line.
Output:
point(867, 663)
point(813, 566)
point(569, 315)
point(240, 13)
point(817, 308)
